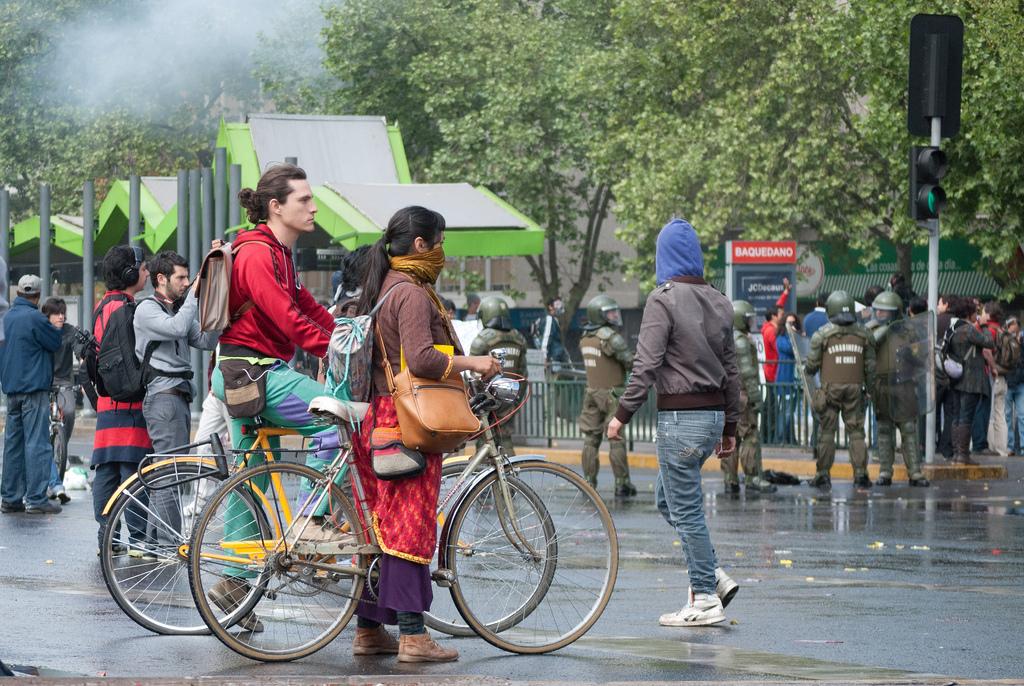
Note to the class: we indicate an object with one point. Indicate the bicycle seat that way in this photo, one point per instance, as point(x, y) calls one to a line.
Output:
point(337, 411)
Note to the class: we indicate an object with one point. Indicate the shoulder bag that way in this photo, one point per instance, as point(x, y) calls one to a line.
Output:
point(433, 414)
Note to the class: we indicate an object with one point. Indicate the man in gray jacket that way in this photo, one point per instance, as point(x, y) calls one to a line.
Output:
point(166, 327)
point(686, 348)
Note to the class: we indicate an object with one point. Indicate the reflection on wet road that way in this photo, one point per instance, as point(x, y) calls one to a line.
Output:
point(878, 584)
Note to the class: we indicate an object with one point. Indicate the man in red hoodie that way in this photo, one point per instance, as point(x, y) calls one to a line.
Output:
point(271, 314)
point(769, 333)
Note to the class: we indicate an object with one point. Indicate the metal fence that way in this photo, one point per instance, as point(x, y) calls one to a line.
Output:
point(553, 409)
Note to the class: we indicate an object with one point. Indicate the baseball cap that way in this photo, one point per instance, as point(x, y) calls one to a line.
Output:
point(30, 284)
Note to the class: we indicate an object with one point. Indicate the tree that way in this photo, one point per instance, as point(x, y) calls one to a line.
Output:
point(488, 91)
point(59, 126)
point(803, 130)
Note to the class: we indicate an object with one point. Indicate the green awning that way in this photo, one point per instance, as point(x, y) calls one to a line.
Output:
point(960, 282)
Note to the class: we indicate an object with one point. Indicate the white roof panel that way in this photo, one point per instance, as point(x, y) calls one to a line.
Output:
point(343, 149)
point(462, 206)
point(164, 190)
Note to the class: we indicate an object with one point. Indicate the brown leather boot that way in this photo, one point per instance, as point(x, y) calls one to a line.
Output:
point(375, 641)
point(962, 444)
point(422, 648)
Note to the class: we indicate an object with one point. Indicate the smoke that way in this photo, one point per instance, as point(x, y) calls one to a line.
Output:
point(148, 55)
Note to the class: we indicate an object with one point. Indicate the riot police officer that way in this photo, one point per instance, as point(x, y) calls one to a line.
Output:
point(748, 436)
point(895, 391)
point(844, 352)
point(499, 338)
point(608, 361)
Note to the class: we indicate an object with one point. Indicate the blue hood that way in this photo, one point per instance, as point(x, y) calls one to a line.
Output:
point(678, 252)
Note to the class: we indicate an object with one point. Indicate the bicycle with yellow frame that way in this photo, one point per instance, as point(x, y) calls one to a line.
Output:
point(528, 551)
point(144, 547)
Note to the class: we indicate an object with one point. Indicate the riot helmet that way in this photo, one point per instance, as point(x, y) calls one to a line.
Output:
point(603, 310)
point(742, 316)
point(840, 309)
point(887, 307)
point(494, 314)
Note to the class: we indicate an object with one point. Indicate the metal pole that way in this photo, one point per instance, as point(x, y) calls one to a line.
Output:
point(933, 298)
point(182, 231)
point(5, 228)
point(44, 239)
point(208, 210)
point(220, 189)
point(134, 220)
point(210, 205)
point(194, 197)
point(88, 256)
point(193, 267)
point(234, 186)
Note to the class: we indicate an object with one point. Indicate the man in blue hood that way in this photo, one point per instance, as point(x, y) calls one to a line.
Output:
point(678, 252)
point(26, 372)
point(686, 349)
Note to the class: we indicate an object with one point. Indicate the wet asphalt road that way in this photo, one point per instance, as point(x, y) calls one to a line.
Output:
point(877, 584)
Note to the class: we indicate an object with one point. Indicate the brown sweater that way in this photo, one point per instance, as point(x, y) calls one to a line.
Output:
point(410, 321)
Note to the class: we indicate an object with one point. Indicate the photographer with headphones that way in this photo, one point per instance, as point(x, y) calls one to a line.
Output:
point(121, 439)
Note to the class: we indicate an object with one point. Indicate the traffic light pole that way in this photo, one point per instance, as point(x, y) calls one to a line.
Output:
point(933, 299)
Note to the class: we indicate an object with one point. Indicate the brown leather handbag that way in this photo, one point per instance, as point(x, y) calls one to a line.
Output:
point(434, 415)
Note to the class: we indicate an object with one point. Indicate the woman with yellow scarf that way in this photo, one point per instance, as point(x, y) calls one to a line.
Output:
point(416, 331)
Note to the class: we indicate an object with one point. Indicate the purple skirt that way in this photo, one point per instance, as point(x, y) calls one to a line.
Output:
point(404, 587)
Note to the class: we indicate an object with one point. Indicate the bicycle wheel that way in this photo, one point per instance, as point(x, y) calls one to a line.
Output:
point(516, 601)
point(140, 549)
point(443, 615)
point(284, 591)
point(60, 449)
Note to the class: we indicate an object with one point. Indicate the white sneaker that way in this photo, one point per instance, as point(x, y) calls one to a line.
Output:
point(702, 610)
point(725, 587)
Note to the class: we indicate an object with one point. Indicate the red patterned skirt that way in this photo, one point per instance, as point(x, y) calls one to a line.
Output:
point(405, 510)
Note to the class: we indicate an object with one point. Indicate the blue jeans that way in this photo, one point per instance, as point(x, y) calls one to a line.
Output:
point(785, 408)
point(54, 481)
point(1015, 430)
point(685, 441)
point(27, 452)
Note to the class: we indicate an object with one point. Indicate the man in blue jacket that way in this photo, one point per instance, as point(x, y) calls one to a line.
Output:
point(26, 372)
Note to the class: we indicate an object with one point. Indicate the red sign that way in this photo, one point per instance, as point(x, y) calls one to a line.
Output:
point(763, 252)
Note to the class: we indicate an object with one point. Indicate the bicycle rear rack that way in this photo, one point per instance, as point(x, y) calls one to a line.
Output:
point(218, 454)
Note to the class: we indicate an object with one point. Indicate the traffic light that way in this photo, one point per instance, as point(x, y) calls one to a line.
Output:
point(927, 167)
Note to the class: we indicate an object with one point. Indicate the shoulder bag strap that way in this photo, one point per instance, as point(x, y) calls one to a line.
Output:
point(385, 362)
point(248, 304)
point(380, 303)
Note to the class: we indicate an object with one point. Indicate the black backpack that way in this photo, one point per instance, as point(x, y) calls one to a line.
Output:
point(116, 371)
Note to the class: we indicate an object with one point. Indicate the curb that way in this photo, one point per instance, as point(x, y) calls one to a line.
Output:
point(796, 467)
point(802, 467)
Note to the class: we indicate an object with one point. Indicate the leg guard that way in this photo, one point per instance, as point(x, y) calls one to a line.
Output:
point(910, 449)
point(886, 448)
point(620, 464)
point(591, 462)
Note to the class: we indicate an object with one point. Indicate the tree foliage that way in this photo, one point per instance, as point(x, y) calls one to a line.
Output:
point(788, 119)
point(57, 131)
point(489, 91)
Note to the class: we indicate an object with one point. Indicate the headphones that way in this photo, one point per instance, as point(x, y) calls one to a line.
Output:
point(130, 275)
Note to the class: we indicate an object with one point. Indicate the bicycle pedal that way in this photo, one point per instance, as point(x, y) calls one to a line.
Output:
point(443, 577)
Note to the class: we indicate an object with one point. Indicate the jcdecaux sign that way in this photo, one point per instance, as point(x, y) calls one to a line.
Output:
point(755, 272)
